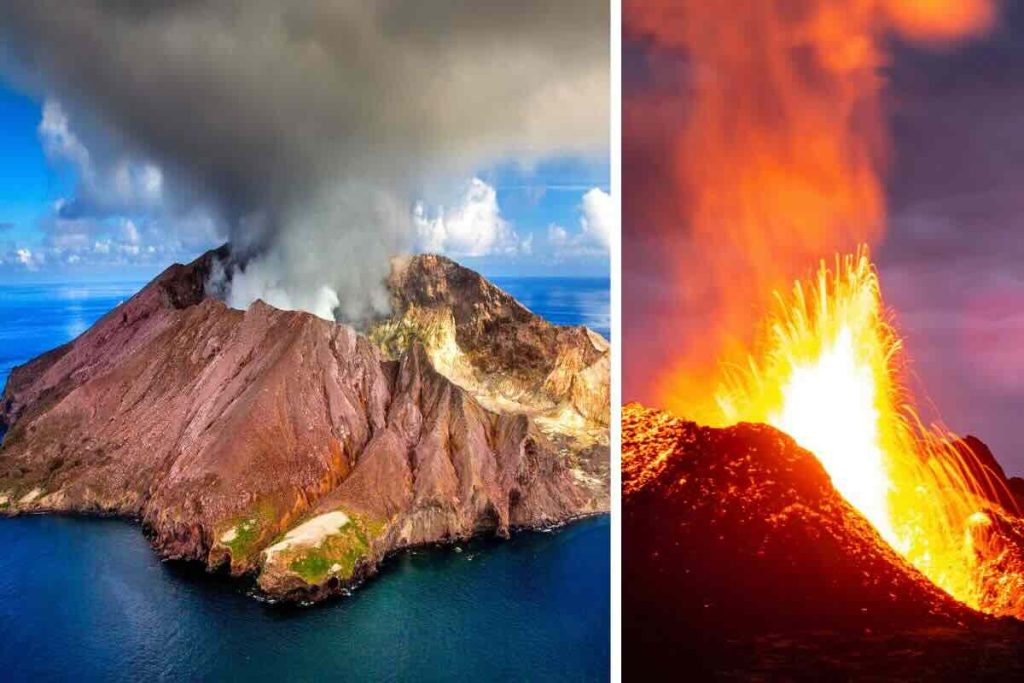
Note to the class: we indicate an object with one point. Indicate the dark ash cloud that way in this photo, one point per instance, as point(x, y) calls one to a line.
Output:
point(308, 128)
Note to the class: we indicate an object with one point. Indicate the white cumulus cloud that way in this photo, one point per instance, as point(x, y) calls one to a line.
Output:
point(111, 242)
point(596, 223)
point(21, 258)
point(24, 257)
point(598, 220)
point(473, 227)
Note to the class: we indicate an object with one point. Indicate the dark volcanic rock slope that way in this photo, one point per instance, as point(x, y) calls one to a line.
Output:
point(741, 559)
point(272, 441)
point(769, 519)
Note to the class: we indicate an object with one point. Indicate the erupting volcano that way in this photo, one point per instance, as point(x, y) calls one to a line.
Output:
point(829, 371)
point(794, 510)
point(885, 535)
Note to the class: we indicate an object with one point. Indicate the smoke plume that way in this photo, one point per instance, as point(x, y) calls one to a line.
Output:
point(308, 129)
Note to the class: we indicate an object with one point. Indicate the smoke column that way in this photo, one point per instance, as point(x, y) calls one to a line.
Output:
point(776, 160)
point(308, 128)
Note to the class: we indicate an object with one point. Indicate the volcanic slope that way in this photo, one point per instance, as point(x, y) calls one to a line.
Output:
point(741, 559)
point(278, 444)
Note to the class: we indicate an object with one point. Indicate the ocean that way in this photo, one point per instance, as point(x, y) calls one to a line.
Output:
point(564, 301)
point(87, 599)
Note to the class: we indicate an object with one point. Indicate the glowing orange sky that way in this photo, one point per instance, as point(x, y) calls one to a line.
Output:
point(781, 154)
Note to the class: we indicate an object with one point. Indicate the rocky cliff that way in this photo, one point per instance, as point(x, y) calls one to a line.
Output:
point(487, 342)
point(277, 444)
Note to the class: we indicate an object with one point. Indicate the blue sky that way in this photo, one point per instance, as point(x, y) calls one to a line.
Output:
point(27, 184)
point(506, 220)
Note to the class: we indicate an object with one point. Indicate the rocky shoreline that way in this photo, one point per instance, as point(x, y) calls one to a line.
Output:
point(317, 594)
point(312, 594)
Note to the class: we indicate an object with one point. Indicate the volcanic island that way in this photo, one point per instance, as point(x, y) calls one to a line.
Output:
point(299, 452)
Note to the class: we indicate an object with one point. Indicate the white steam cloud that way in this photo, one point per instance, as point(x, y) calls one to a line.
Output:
point(305, 130)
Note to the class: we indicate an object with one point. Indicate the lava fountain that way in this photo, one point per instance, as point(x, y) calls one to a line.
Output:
point(828, 369)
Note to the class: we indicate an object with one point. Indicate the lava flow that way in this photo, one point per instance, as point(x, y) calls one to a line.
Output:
point(828, 370)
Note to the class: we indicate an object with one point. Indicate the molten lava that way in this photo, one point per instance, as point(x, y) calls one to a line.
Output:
point(828, 369)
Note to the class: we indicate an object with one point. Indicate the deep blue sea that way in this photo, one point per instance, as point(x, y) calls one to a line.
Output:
point(564, 301)
point(86, 600)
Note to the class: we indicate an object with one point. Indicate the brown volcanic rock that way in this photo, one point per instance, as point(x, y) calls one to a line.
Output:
point(105, 344)
point(231, 432)
point(741, 559)
point(505, 351)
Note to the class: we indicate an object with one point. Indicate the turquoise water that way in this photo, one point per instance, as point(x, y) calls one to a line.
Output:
point(84, 599)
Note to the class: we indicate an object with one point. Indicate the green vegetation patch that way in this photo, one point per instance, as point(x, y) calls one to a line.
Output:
point(250, 531)
point(246, 533)
point(340, 552)
point(245, 542)
point(313, 566)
